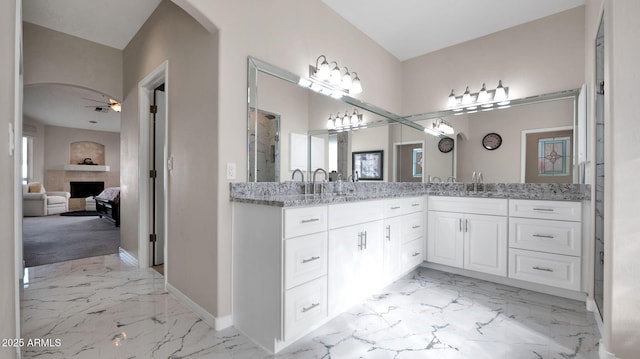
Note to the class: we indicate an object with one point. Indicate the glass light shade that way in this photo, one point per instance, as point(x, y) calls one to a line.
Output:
point(466, 97)
point(501, 94)
point(304, 82)
point(452, 102)
point(336, 77)
point(483, 96)
point(330, 123)
point(356, 86)
point(354, 118)
point(323, 71)
point(346, 80)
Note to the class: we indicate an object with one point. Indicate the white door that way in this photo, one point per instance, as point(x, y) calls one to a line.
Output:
point(485, 244)
point(445, 239)
point(159, 164)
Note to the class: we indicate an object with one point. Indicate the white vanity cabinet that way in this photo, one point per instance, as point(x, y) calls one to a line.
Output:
point(469, 233)
point(545, 242)
point(355, 252)
point(280, 269)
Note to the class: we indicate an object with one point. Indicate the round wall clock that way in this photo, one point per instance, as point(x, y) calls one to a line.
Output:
point(445, 145)
point(492, 141)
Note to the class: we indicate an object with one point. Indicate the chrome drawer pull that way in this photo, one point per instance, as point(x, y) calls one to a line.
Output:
point(415, 204)
point(310, 260)
point(309, 220)
point(388, 232)
point(304, 310)
point(415, 254)
point(415, 227)
point(544, 209)
point(543, 269)
point(395, 207)
point(544, 236)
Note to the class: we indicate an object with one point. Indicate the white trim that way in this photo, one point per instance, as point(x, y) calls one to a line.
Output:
point(215, 323)
point(523, 145)
point(395, 155)
point(128, 257)
point(17, 174)
point(146, 87)
point(603, 353)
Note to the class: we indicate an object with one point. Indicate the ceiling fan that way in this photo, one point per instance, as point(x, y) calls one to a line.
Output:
point(103, 106)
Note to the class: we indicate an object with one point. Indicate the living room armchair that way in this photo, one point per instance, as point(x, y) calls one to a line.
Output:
point(36, 201)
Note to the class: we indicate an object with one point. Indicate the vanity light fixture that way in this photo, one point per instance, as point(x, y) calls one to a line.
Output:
point(328, 78)
point(346, 121)
point(439, 127)
point(487, 99)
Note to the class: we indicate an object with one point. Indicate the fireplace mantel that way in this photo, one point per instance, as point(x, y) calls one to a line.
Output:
point(92, 168)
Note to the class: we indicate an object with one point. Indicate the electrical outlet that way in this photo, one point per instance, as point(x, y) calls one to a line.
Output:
point(231, 171)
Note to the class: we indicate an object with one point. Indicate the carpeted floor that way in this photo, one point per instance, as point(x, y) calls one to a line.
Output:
point(53, 239)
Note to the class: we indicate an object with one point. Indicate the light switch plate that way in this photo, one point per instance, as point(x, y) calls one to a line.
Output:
point(231, 171)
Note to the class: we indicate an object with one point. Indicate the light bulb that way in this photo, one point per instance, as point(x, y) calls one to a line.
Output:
point(483, 96)
point(466, 97)
point(356, 86)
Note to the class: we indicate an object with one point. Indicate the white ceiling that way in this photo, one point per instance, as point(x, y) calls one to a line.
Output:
point(67, 106)
point(112, 23)
point(410, 28)
point(405, 28)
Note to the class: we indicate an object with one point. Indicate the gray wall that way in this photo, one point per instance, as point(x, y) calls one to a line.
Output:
point(171, 34)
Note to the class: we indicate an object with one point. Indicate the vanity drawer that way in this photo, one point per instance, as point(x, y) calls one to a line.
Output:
point(400, 206)
point(304, 307)
point(558, 210)
point(559, 237)
point(545, 268)
point(348, 214)
point(412, 226)
point(412, 254)
point(488, 206)
point(304, 220)
point(305, 258)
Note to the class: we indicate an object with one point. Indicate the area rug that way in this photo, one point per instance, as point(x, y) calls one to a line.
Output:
point(80, 213)
point(53, 239)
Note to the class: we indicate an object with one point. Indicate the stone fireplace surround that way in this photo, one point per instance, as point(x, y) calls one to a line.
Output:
point(60, 179)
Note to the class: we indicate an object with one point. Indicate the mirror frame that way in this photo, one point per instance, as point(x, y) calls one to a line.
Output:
point(255, 65)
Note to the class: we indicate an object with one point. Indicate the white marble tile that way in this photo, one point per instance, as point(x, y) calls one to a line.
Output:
point(103, 307)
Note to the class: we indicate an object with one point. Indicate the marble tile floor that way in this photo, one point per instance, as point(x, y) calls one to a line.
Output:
point(104, 307)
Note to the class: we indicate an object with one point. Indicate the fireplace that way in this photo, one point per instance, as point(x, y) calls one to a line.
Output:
point(85, 189)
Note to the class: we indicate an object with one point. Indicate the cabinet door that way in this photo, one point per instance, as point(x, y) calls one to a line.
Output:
point(485, 244)
point(355, 258)
point(445, 238)
point(392, 243)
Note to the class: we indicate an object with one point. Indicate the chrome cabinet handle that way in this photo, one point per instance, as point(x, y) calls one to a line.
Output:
point(360, 240)
point(310, 260)
point(388, 232)
point(460, 224)
point(544, 209)
point(415, 204)
point(415, 227)
point(365, 239)
point(310, 220)
point(543, 236)
point(313, 305)
point(466, 225)
point(415, 254)
point(543, 269)
point(395, 207)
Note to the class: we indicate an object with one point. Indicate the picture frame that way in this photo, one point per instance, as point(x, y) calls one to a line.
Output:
point(369, 164)
point(417, 162)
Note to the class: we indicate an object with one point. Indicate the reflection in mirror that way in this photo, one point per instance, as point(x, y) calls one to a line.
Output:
point(264, 145)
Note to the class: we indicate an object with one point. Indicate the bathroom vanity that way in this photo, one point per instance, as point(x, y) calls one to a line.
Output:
point(300, 260)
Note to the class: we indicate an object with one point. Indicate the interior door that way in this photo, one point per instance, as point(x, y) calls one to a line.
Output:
point(158, 180)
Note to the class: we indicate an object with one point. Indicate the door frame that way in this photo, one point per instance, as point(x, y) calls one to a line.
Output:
point(523, 146)
point(395, 155)
point(146, 89)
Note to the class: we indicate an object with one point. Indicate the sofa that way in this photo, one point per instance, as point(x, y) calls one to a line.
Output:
point(36, 201)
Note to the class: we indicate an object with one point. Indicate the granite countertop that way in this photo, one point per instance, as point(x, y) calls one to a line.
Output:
point(292, 194)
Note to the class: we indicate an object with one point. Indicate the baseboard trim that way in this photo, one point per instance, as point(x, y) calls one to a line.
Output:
point(603, 353)
point(128, 257)
point(215, 323)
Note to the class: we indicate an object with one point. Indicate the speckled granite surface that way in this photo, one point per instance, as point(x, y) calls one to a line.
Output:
point(291, 194)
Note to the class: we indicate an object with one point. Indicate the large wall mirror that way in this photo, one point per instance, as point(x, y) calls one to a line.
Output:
point(293, 132)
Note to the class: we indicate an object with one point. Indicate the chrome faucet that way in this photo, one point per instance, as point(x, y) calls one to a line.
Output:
point(314, 180)
point(477, 178)
point(293, 175)
point(451, 179)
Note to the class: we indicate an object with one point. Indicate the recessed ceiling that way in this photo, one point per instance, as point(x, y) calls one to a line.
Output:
point(410, 28)
point(112, 23)
point(69, 106)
